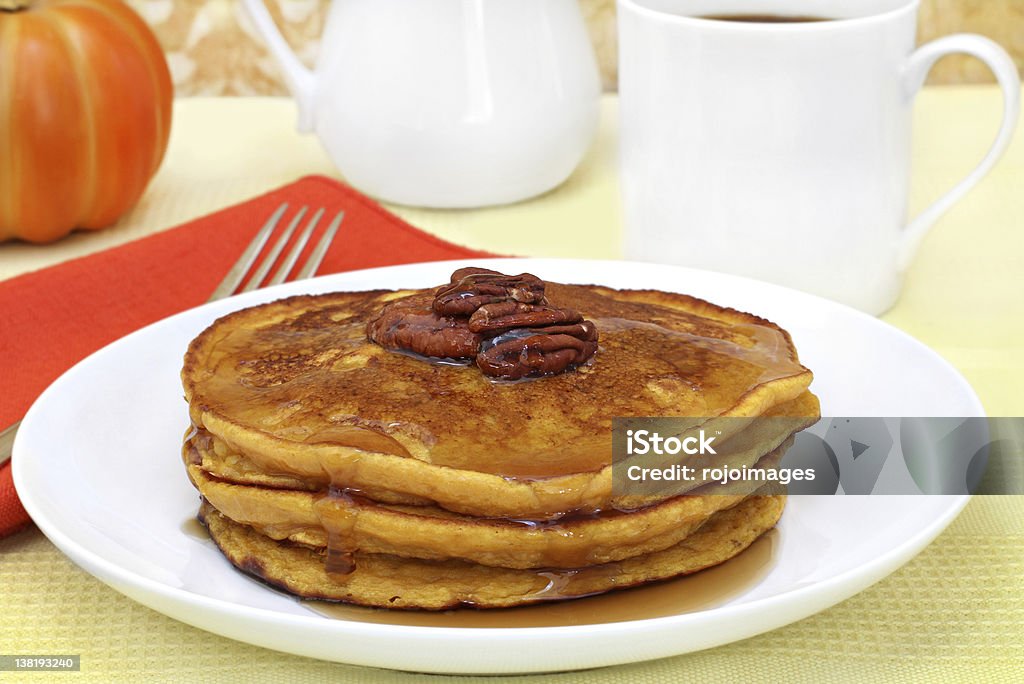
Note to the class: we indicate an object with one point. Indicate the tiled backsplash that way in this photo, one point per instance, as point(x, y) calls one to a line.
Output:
point(213, 50)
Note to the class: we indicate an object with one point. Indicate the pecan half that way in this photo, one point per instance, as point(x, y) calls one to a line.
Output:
point(525, 353)
point(491, 318)
point(471, 288)
point(409, 324)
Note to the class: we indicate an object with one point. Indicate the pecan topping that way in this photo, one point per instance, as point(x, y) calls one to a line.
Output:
point(409, 324)
point(490, 318)
point(525, 353)
point(504, 322)
point(471, 288)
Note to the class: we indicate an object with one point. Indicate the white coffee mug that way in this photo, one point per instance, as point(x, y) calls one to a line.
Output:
point(447, 103)
point(781, 151)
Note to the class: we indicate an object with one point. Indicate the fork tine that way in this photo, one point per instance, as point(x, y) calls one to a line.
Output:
point(321, 248)
point(296, 250)
point(237, 273)
point(275, 251)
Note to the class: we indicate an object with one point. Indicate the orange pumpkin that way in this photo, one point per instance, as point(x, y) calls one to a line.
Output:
point(85, 113)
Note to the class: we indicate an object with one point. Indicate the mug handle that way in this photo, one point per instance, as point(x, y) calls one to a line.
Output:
point(915, 72)
point(301, 81)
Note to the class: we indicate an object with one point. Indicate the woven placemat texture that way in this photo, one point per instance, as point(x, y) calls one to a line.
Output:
point(954, 613)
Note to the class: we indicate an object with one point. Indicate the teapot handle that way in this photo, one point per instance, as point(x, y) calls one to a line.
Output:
point(301, 81)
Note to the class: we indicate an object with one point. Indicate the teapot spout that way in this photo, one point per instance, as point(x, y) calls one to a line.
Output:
point(304, 93)
point(300, 80)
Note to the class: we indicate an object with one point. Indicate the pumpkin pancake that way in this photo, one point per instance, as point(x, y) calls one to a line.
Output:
point(434, 533)
point(300, 397)
point(388, 581)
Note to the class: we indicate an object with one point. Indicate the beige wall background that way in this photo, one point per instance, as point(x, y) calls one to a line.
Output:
point(213, 50)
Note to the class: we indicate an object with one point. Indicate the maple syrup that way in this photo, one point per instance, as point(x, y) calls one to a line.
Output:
point(700, 591)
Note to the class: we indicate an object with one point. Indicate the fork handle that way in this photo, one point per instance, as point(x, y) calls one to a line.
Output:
point(7, 442)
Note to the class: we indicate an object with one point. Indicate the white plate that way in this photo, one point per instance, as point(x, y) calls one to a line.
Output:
point(97, 465)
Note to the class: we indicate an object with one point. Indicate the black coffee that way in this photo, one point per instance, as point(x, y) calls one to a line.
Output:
point(764, 18)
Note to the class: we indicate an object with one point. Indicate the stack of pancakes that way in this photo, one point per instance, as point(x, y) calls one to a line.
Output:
point(335, 469)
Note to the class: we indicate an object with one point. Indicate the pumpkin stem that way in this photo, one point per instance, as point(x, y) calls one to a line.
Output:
point(14, 5)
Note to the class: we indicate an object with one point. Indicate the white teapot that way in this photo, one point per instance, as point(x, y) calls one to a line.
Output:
point(447, 103)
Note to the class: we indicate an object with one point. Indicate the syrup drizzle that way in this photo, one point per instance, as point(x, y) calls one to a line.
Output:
point(697, 592)
point(195, 529)
point(338, 515)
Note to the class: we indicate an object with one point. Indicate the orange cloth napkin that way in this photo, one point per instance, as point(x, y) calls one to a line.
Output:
point(54, 317)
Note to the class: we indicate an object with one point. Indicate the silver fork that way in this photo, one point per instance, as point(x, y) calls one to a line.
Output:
point(232, 282)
